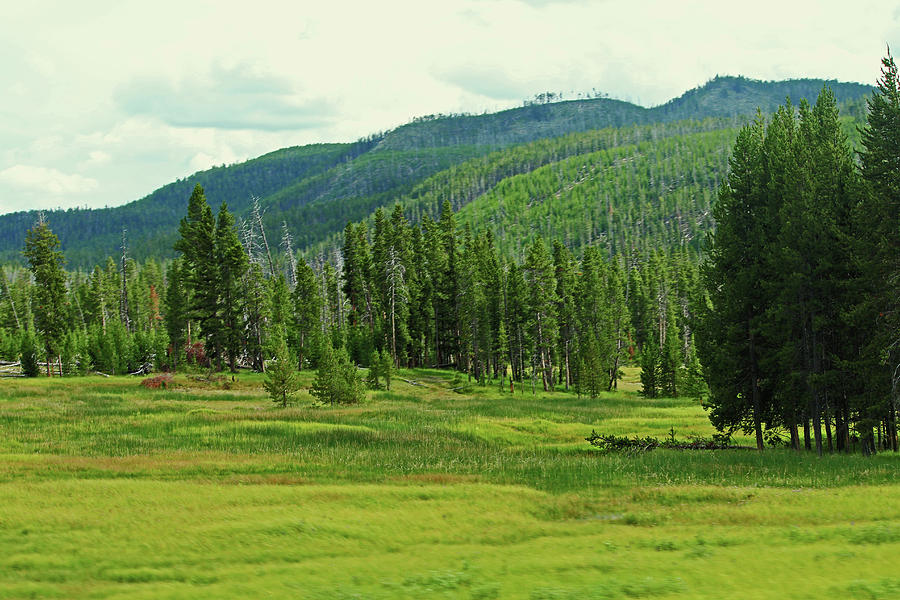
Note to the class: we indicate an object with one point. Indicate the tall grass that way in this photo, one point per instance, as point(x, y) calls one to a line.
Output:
point(110, 490)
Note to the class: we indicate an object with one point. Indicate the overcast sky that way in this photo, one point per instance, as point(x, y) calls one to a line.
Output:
point(103, 102)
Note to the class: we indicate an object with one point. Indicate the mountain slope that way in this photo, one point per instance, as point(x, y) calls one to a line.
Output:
point(317, 189)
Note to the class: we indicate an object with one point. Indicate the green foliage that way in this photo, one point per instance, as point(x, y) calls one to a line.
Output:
point(614, 443)
point(651, 370)
point(316, 189)
point(201, 269)
point(386, 368)
point(232, 267)
point(784, 340)
point(282, 380)
point(307, 304)
point(337, 379)
point(46, 263)
point(374, 371)
point(176, 310)
point(29, 357)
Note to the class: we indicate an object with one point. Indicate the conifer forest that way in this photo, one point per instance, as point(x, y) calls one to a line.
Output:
point(648, 348)
point(729, 263)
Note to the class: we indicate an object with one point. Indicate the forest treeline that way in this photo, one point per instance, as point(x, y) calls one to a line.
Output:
point(432, 294)
point(802, 328)
point(548, 265)
point(316, 189)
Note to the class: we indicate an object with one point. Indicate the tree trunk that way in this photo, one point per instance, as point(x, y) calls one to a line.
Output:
point(757, 405)
point(795, 437)
point(807, 439)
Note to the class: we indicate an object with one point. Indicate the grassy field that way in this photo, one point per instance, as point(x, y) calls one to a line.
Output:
point(111, 490)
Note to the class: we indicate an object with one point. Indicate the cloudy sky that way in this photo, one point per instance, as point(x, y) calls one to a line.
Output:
point(103, 102)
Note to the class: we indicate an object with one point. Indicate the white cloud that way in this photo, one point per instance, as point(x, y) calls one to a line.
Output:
point(97, 158)
point(238, 96)
point(132, 108)
point(43, 179)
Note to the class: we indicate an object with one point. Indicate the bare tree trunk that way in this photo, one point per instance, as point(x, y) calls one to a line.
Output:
point(541, 352)
point(287, 244)
point(257, 216)
point(123, 300)
point(12, 302)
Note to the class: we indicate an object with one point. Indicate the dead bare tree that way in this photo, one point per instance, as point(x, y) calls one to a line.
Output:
point(287, 246)
point(12, 302)
point(123, 297)
point(257, 218)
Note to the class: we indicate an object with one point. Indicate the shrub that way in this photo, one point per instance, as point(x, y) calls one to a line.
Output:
point(282, 380)
point(160, 381)
point(614, 443)
point(196, 354)
point(337, 380)
point(29, 356)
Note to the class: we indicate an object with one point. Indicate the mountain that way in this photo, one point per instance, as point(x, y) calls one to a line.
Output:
point(316, 189)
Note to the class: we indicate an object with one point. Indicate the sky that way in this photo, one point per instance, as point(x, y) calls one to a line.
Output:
point(103, 102)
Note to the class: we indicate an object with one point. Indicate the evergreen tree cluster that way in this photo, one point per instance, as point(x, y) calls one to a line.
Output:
point(438, 295)
point(108, 320)
point(801, 331)
point(793, 303)
point(397, 294)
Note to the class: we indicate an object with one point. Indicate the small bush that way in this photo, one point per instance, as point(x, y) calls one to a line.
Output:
point(337, 380)
point(195, 354)
point(30, 365)
point(614, 443)
point(163, 381)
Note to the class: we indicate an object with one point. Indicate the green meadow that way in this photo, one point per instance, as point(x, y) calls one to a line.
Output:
point(208, 490)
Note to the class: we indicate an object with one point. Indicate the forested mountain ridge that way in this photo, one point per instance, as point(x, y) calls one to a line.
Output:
point(552, 262)
point(89, 235)
point(316, 189)
point(719, 97)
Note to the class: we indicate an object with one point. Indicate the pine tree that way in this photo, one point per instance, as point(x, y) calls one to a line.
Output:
point(282, 380)
point(256, 307)
point(198, 246)
point(595, 326)
point(374, 372)
point(46, 263)
point(337, 380)
point(503, 354)
point(651, 384)
point(564, 271)
point(232, 267)
point(878, 246)
point(542, 303)
point(306, 314)
point(29, 357)
point(386, 368)
point(619, 323)
point(397, 298)
point(737, 258)
point(448, 295)
point(176, 309)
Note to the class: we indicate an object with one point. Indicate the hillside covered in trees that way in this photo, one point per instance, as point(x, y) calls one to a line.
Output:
point(314, 190)
point(735, 271)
